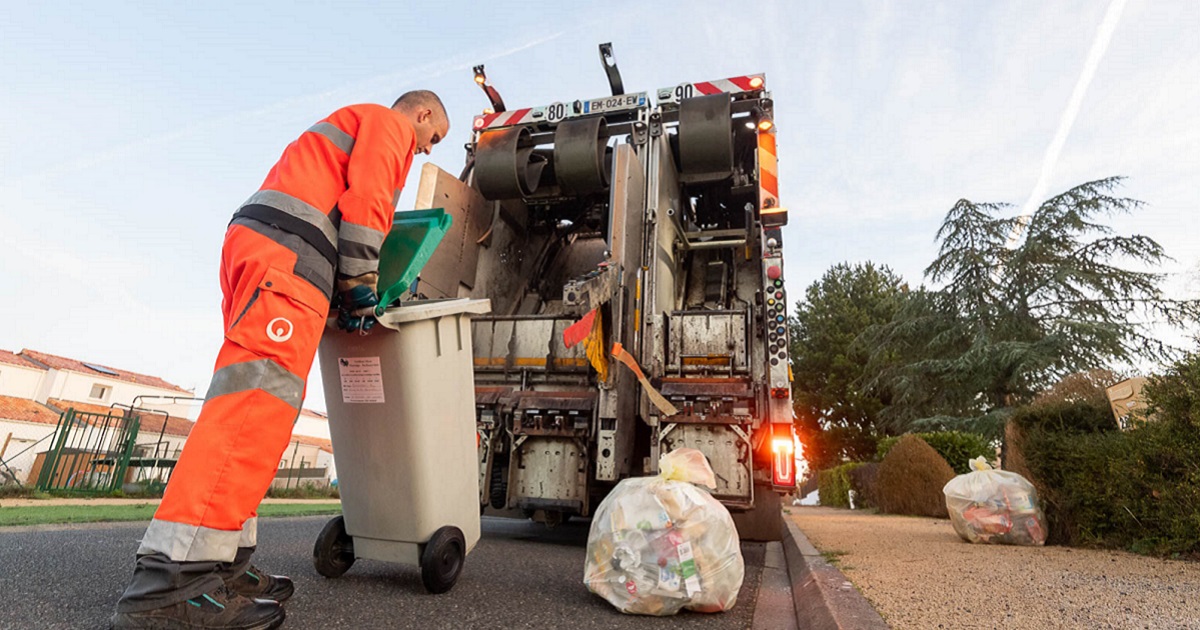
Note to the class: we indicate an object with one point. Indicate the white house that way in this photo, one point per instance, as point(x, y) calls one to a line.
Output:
point(25, 431)
point(311, 434)
point(312, 423)
point(19, 377)
point(85, 382)
point(36, 388)
point(306, 459)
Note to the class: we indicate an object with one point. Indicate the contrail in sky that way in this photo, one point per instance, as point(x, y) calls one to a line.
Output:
point(1099, 45)
point(393, 82)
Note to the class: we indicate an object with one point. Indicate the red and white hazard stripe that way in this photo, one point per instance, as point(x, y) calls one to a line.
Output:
point(768, 180)
point(504, 119)
point(748, 83)
point(768, 171)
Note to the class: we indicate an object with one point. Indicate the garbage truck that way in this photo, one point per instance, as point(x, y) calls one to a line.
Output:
point(631, 246)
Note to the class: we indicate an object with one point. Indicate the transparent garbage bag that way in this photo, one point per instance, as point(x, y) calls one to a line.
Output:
point(994, 506)
point(660, 544)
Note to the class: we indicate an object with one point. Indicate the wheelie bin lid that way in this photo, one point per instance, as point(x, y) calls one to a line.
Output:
point(429, 309)
point(414, 236)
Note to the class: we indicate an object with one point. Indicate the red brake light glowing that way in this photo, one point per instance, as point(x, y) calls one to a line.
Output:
point(783, 470)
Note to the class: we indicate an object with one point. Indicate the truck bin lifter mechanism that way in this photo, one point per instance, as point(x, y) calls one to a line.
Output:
point(648, 222)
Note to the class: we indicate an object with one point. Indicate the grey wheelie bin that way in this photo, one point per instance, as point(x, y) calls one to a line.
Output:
point(401, 409)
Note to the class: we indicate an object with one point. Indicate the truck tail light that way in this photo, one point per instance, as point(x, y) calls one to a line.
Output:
point(784, 464)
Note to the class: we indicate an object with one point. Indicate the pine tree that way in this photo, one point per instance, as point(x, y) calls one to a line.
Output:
point(1009, 320)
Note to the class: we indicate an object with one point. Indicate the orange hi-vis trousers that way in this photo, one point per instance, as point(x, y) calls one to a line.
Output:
point(273, 323)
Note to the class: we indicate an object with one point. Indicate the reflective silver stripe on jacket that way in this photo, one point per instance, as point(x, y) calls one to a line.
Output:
point(297, 208)
point(310, 264)
point(182, 542)
point(263, 374)
point(339, 138)
point(358, 249)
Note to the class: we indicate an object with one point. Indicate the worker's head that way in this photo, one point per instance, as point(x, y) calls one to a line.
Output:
point(428, 117)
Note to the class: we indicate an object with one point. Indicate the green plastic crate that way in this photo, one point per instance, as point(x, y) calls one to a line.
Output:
point(408, 246)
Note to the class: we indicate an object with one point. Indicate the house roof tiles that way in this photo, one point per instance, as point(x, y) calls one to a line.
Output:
point(75, 365)
point(320, 443)
point(25, 410)
point(10, 358)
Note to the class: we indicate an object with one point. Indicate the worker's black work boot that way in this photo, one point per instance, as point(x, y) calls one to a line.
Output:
point(221, 609)
point(254, 583)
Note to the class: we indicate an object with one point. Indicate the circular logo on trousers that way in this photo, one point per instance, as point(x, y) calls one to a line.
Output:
point(279, 329)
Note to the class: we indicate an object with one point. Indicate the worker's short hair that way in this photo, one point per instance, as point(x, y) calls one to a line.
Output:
point(420, 98)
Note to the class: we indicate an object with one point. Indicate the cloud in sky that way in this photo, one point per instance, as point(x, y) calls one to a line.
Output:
point(1103, 36)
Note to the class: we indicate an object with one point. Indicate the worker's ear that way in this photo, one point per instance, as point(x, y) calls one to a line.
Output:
point(424, 115)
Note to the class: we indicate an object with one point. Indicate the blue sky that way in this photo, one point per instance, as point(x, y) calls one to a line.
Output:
point(131, 132)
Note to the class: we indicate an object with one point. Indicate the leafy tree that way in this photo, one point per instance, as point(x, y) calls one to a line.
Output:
point(836, 416)
point(1009, 319)
point(1175, 395)
point(1081, 387)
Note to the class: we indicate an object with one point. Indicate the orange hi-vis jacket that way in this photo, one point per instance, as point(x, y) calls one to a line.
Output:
point(336, 187)
point(325, 206)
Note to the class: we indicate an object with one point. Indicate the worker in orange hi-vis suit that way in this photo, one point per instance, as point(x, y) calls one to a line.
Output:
point(312, 233)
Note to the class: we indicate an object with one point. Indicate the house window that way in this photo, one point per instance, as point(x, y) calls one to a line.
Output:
point(100, 392)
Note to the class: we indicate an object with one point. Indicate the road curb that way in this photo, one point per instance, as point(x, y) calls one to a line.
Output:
point(824, 599)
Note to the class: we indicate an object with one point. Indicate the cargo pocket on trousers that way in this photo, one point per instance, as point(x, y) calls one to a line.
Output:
point(282, 320)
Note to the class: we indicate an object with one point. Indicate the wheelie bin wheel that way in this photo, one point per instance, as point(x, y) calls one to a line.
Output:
point(442, 559)
point(334, 551)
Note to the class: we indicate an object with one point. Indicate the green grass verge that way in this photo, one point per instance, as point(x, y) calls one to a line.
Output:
point(41, 515)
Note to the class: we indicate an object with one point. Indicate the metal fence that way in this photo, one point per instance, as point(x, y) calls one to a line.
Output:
point(19, 456)
point(302, 473)
point(89, 454)
point(95, 453)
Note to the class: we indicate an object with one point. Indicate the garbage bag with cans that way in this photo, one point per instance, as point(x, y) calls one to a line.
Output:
point(994, 506)
point(661, 544)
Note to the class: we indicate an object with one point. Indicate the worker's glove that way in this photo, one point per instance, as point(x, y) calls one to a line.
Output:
point(356, 309)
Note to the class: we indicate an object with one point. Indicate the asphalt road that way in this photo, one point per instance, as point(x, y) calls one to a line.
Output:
point(520, 575)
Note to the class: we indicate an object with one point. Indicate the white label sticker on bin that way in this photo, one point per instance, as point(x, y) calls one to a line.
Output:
point(362, 379)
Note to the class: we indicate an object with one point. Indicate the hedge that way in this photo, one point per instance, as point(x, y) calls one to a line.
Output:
point(834, 484)
point(864, 481)
point(1137, 490)
point(911, 478)
point(956, 447)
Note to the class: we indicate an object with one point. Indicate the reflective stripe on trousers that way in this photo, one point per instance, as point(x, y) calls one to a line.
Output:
point(273, 323)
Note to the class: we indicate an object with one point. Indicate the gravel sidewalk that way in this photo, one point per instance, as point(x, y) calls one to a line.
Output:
point(919, 574)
